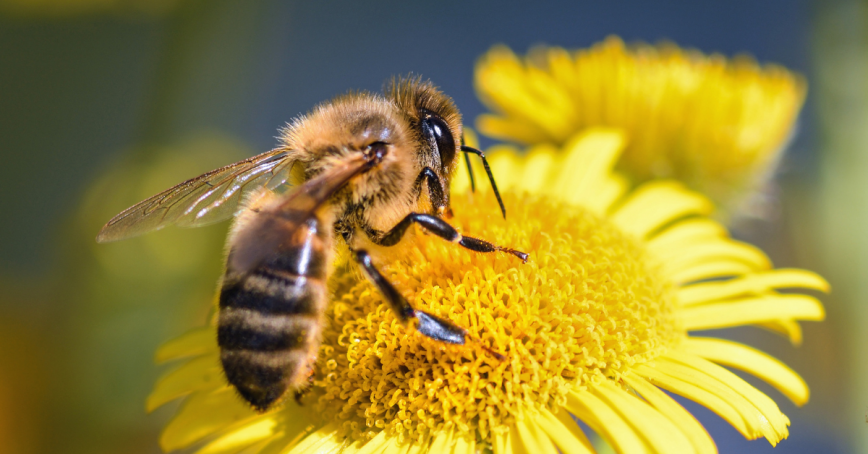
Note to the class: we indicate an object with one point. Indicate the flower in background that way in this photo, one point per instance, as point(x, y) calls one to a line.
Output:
point(594, 327)
point(718, 125)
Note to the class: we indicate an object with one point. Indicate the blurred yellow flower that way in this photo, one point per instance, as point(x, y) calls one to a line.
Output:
point(592, 327)
point(718, 125)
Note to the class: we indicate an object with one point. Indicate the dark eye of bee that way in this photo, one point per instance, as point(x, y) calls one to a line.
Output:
point(438, 135)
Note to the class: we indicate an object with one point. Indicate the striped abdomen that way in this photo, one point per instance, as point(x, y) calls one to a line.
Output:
point(271, 316)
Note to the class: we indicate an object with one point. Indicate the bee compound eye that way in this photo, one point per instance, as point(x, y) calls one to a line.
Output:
point(438, 134)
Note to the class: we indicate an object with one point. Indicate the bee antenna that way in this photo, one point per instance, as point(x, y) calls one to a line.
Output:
point(469, 167)
point(467, 149)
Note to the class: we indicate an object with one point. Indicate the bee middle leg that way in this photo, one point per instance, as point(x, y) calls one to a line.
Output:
point(442, 229)
point(429, 325)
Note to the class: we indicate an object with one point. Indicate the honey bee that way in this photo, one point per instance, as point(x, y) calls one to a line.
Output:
point(361, 168)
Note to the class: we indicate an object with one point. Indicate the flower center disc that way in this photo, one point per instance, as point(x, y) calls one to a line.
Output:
point(587, 305)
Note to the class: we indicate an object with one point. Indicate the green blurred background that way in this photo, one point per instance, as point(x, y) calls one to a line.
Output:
point(106, 102)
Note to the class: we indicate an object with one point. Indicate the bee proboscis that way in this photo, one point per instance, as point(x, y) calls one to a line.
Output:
point(363, 168)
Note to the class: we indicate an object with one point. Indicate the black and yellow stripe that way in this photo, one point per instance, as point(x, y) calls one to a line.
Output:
point(270, 317)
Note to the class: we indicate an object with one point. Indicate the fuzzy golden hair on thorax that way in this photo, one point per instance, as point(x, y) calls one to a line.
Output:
point(343, 125)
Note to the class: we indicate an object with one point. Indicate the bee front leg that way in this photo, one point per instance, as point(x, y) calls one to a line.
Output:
point(436, 195)
point(442, 229)
point(429, 325)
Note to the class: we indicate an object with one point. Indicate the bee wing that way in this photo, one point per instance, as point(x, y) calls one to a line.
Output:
point(203, 200)
point(261, 239)
point(314, 192)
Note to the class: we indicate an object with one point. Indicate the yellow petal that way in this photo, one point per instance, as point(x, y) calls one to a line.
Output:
point(657, 430)
point(747, 311)
point(537, 168)
point(518, 446)
point(246, 435)
point(610, 191)
point(690, 389)
point(789, 328)
point(464, 444)
point(716, 251)
point(195, 375)
point(561, 65)
point(191, 343)
point(503, 162)
point(588, 161)
point(757, 421)
point(655, 204)
point(501, 443)
point(391, 445)
point(257, 447)
point(443, 440)
point(565, 433)
point(684, 234)
point(516, 98)
point(716, 269)
point(332, 445)
point(556, 98)
point(202, 414)
point(692, 429)
point(753, 284)
point(460, 180)
point(282, 442)
point(766, 406)
point(375, 445)
point(752, 361)
point(605, 421)
point(532, 439)
point(277, 445)
point(419, 447)
point(506, 128)
point(531, 98)
point(322, 438)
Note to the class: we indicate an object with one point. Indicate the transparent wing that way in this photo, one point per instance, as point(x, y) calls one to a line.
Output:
point(314, 192)
point(203, 200)
point(260, 238)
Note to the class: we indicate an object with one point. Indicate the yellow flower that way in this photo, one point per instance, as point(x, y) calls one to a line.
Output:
point(718, 125)
point(592, 327)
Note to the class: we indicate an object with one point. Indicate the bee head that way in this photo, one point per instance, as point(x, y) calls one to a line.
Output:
point(434, 120)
